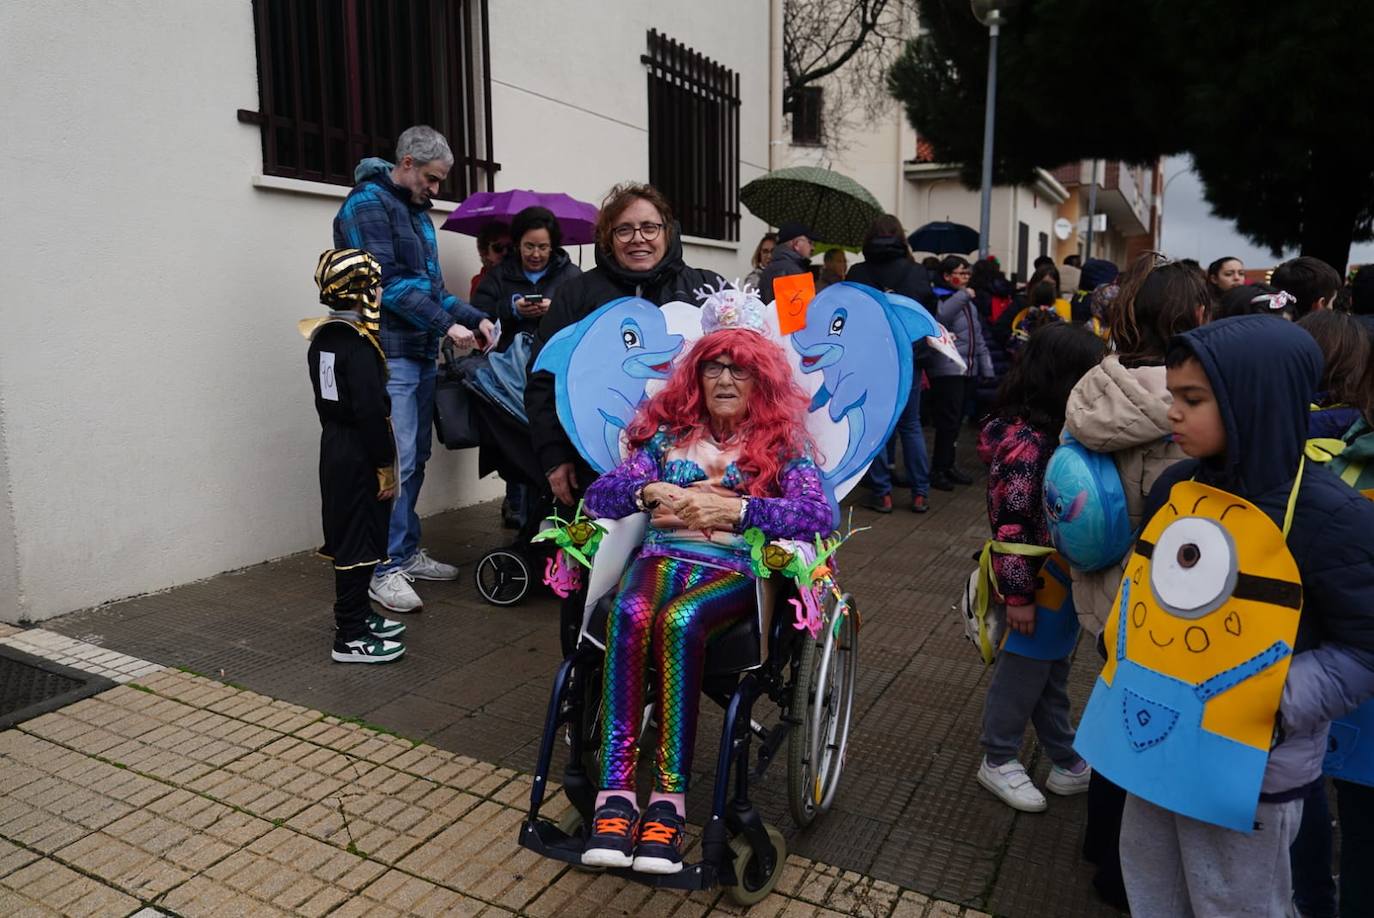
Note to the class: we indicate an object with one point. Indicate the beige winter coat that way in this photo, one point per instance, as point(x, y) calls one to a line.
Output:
point(1123, 412)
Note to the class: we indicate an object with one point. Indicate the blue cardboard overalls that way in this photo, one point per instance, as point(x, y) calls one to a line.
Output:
point(1145, 743)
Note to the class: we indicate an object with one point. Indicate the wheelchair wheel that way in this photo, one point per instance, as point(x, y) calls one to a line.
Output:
point(754, 885)
point(822, 702)
point(502, 577)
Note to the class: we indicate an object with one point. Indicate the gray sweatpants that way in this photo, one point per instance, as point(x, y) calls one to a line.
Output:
point(1176, 866)
point(1025, 690)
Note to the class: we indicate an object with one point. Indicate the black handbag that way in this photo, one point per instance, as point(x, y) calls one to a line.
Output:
point(454, 416)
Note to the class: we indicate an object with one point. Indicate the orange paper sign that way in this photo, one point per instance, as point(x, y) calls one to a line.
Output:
point(793, 293)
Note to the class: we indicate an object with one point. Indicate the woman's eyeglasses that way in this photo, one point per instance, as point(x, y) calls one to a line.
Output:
point(713, 368)
point(499, 247)
point(531, 248)
point(648, 231)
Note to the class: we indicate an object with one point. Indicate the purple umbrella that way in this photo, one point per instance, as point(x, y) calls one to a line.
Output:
point(576, 218)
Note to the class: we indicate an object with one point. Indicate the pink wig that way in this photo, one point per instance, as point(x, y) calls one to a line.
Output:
point(774, 430)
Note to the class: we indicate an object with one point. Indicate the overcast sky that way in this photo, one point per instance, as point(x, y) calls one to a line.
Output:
point(1190, 230)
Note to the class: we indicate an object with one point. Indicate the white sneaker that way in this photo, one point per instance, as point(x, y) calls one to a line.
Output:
point(423, 567)
point(392, 589)
point(1011, 783)
point(367, 650)
point(1065, 783)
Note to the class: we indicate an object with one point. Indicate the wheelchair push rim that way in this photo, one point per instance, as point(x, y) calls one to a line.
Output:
point(502, 577)
point(824, 693)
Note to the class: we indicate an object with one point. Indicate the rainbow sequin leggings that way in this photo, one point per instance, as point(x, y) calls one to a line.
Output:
point(668, 608)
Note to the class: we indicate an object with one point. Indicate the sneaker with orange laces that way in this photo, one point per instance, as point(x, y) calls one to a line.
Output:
point(659, 849)
point(613, 835)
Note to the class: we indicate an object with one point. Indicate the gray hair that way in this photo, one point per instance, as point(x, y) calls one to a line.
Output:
point(424, 144)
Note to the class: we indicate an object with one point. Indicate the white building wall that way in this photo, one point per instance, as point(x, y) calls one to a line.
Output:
point(155, 419)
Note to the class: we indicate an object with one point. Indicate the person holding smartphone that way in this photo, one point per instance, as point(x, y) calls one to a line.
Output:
point(520, 290)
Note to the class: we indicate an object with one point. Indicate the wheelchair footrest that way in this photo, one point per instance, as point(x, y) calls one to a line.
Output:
point(546, 839)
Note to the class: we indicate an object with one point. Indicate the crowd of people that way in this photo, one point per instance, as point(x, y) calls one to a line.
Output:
point(1182, 376)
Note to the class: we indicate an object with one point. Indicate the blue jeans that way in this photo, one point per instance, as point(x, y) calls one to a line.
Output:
point(411, 387)
point(913, 449)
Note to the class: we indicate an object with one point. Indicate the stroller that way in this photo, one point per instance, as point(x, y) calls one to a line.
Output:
point(480, 401)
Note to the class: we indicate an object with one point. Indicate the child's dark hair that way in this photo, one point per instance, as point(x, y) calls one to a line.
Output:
point(1254, 299)
point(1345, 350)
point(1158, 299)
point(1179, 353)
point(1044, 293)
point(1044, 273)
point(1309, 280)
point(1036, 389)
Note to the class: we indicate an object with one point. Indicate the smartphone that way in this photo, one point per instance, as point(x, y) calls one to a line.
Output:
point(534, 299)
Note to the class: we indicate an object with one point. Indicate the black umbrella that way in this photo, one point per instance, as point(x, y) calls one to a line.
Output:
point(941, 237)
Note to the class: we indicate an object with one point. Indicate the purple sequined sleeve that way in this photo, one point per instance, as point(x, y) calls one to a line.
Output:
point(612, 496)
point(800, 513)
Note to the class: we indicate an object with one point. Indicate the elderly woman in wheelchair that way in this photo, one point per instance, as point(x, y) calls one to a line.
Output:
point(721, 450)
point(722, 475)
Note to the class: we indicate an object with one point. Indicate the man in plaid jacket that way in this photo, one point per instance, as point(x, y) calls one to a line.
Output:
point(387, 216)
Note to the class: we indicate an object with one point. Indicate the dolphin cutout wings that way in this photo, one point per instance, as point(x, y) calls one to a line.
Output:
point(854, 357)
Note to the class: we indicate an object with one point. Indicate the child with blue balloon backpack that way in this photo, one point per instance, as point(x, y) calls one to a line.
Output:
point(1030, 676)
point(1120, 408)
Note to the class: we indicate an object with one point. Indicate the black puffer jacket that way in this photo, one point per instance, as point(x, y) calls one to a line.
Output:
point(669, 281)
point(507, 281)
point(887, 265)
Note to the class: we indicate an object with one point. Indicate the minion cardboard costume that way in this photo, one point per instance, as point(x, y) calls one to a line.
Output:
point(1198, 651)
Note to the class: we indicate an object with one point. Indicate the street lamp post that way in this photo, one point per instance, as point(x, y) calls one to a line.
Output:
point(990, 13)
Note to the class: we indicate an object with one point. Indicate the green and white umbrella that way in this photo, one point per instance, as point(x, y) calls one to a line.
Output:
point(836, 208)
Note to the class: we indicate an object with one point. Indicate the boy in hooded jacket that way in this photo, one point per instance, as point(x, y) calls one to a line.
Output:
point(1241, 389)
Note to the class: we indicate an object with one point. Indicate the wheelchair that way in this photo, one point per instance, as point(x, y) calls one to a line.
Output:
point(811, 679)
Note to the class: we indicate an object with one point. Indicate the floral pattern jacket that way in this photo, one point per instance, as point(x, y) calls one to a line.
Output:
point(1016, 455)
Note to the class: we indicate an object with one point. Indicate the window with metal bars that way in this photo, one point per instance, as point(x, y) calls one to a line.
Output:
point(339, 80)
point(806, 115)
point(694, 137)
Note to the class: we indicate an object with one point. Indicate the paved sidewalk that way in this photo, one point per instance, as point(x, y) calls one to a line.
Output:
point(177, 794)
point(475, 682)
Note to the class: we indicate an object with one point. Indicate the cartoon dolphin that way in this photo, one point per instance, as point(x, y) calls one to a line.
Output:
point(601, 365)
point(860, 341)
point(1057, 510)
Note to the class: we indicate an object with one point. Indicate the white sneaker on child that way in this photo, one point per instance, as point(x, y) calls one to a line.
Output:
point(1011, 783)
point(1066, 783)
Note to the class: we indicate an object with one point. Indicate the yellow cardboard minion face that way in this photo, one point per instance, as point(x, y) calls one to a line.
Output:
point(1198, 649)
point(1213, 586)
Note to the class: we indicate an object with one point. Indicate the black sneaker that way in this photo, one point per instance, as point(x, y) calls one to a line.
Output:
point(941, 481)
point(659, 849)
point(958, 477)
point(613, 835)
point(367, 650)
point(380, 627)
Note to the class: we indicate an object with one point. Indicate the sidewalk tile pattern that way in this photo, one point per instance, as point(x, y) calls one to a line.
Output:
point(177, 794)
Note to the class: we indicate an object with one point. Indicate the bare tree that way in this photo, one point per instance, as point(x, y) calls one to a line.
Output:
point(848, 45)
